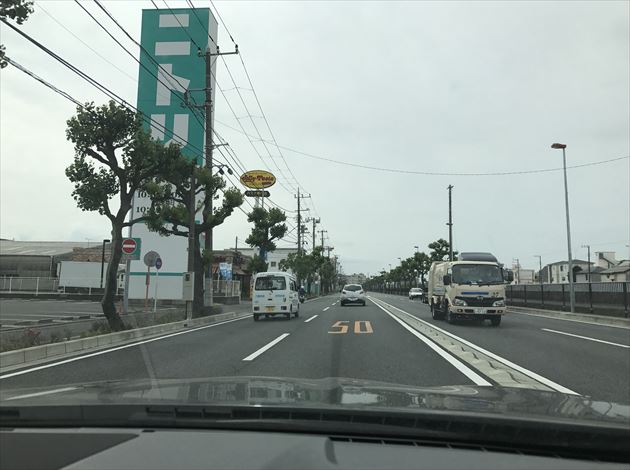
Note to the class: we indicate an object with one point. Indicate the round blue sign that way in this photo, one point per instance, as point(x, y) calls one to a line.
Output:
point(158, 263)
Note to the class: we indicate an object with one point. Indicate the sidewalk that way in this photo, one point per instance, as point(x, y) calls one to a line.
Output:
point(578, 317)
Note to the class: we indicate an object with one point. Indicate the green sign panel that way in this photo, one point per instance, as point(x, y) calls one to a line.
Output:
point(170, 66)
point(131, 248)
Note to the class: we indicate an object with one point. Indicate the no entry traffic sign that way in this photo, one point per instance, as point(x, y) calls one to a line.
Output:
point(130, 249)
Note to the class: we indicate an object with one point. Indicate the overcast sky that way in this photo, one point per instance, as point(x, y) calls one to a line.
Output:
point(451, 87)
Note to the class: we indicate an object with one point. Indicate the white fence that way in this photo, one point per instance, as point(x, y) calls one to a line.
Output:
point(42, 285)
point(226, 288)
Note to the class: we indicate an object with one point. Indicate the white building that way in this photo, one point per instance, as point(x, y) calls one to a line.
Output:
point(356, 278)
point(558, 272)
point(273, 257)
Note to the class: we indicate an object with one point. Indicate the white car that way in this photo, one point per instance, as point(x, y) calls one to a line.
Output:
point(415, 293)
point(352, 294)
point(275, 293)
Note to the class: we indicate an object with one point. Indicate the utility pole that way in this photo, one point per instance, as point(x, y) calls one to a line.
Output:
point(450, 223)
point(191, 232)
point(588, 247)
point(315, 221)
point(518, 271)
point(323, 232)
point(299, 218)
point(208, 146)
point(539, 268)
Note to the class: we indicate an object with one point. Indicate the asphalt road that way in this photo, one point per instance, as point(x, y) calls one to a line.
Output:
point(390, 340)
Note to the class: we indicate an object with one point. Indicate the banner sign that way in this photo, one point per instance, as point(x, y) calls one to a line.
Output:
point(170, 65)
point(258, 179)
point(225, 269)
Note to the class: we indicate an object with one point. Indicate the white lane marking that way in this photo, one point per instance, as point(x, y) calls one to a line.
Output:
point(270, 345)
point(325, 309)
point(522, 370)
point(118, 348)
point(332, 305)
point(312, 318)
point(41, 394)
point(569, 319)
point(472, 375)
point(586, 337)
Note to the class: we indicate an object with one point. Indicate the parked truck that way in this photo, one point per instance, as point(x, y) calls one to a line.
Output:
point(472, 288)
point(84, 276)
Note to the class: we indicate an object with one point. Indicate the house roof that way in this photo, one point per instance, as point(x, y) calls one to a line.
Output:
point(37, 248)
point(566, 262)
point(616, 270)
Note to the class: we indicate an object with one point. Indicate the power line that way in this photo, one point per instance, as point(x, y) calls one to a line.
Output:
point(44, 82)
point(433, 173)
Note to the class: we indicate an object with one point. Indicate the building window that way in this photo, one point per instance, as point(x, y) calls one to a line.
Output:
point(564, 279)
point(561, 268)
point(273, 264)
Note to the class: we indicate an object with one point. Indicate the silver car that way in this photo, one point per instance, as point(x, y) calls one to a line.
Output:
point(352, 294)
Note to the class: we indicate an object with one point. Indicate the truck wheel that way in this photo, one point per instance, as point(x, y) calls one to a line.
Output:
point(289, 313)
point(450, 318)
point(256, 317)
point(297, 312)
point(495, 321)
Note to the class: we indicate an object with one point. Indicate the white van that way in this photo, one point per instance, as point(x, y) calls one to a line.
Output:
point(275, 293)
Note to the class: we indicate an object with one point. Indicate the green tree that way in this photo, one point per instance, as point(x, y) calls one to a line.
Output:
point(171, 208)
point(114, 157)
point(439, 250)
point(16, 10)
point(268, 227)
point(257, 265)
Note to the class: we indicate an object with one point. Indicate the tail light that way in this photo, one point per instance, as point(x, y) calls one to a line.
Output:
point(361, 292)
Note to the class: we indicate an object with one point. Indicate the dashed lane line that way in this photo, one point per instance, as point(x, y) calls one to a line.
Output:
point(325, 309)
point(587, 338)
point(266, 347)
point(312, 318)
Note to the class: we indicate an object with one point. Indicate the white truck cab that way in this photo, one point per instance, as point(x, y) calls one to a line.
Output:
point(275, 293)
point(471, 289)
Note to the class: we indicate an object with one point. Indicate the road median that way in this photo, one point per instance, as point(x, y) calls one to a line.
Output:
point(11, 360)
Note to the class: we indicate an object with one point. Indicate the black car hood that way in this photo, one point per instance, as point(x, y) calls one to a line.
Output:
point(327, 394)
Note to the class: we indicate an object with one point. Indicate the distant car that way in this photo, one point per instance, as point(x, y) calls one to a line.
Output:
point(352, 294)
point(415, 293)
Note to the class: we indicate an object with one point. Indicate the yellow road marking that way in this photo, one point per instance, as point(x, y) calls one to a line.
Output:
point(343, 328)
point(368, 327)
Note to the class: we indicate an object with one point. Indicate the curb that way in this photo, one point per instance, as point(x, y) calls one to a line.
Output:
point(578, 317)
point(22, 357)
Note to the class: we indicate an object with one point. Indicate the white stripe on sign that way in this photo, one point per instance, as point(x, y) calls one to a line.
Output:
point(312, 318)
point(588, 338)
point(174, 21)
point(471, 374)
point(266, 347)
point(325, 309)
point(172, 48)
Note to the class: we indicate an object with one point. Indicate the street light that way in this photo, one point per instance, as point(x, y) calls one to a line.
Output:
point(103, 261)
point(539, 268)
point(566, 203)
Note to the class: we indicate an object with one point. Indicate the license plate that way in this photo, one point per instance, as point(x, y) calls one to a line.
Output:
point(270, 309)
point(478, 310)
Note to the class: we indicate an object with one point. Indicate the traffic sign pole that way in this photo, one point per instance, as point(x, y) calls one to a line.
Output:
point(158, 265)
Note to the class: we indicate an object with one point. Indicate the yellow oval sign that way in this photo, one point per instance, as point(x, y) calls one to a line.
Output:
point(258, 179)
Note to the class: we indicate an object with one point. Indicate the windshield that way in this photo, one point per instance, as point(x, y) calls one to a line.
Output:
point(256, 204)
point(271, 283)
point(477, 274)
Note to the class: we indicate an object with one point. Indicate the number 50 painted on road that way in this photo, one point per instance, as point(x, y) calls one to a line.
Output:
point(360, 327)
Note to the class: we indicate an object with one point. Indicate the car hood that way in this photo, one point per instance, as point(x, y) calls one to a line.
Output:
point(327, 393)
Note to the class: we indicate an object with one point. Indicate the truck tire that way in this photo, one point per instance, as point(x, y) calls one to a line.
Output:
point(450, 318)
point(495, 321)
point(256, 317)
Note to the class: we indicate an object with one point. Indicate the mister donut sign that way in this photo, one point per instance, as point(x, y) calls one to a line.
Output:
point(258, 179)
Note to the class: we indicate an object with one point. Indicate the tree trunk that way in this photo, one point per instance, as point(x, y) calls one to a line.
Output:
point(197, 306)
point(108, 303)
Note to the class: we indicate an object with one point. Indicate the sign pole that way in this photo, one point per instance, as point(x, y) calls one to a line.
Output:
point(157, 276)
point(146, 290)
point(126, 293)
